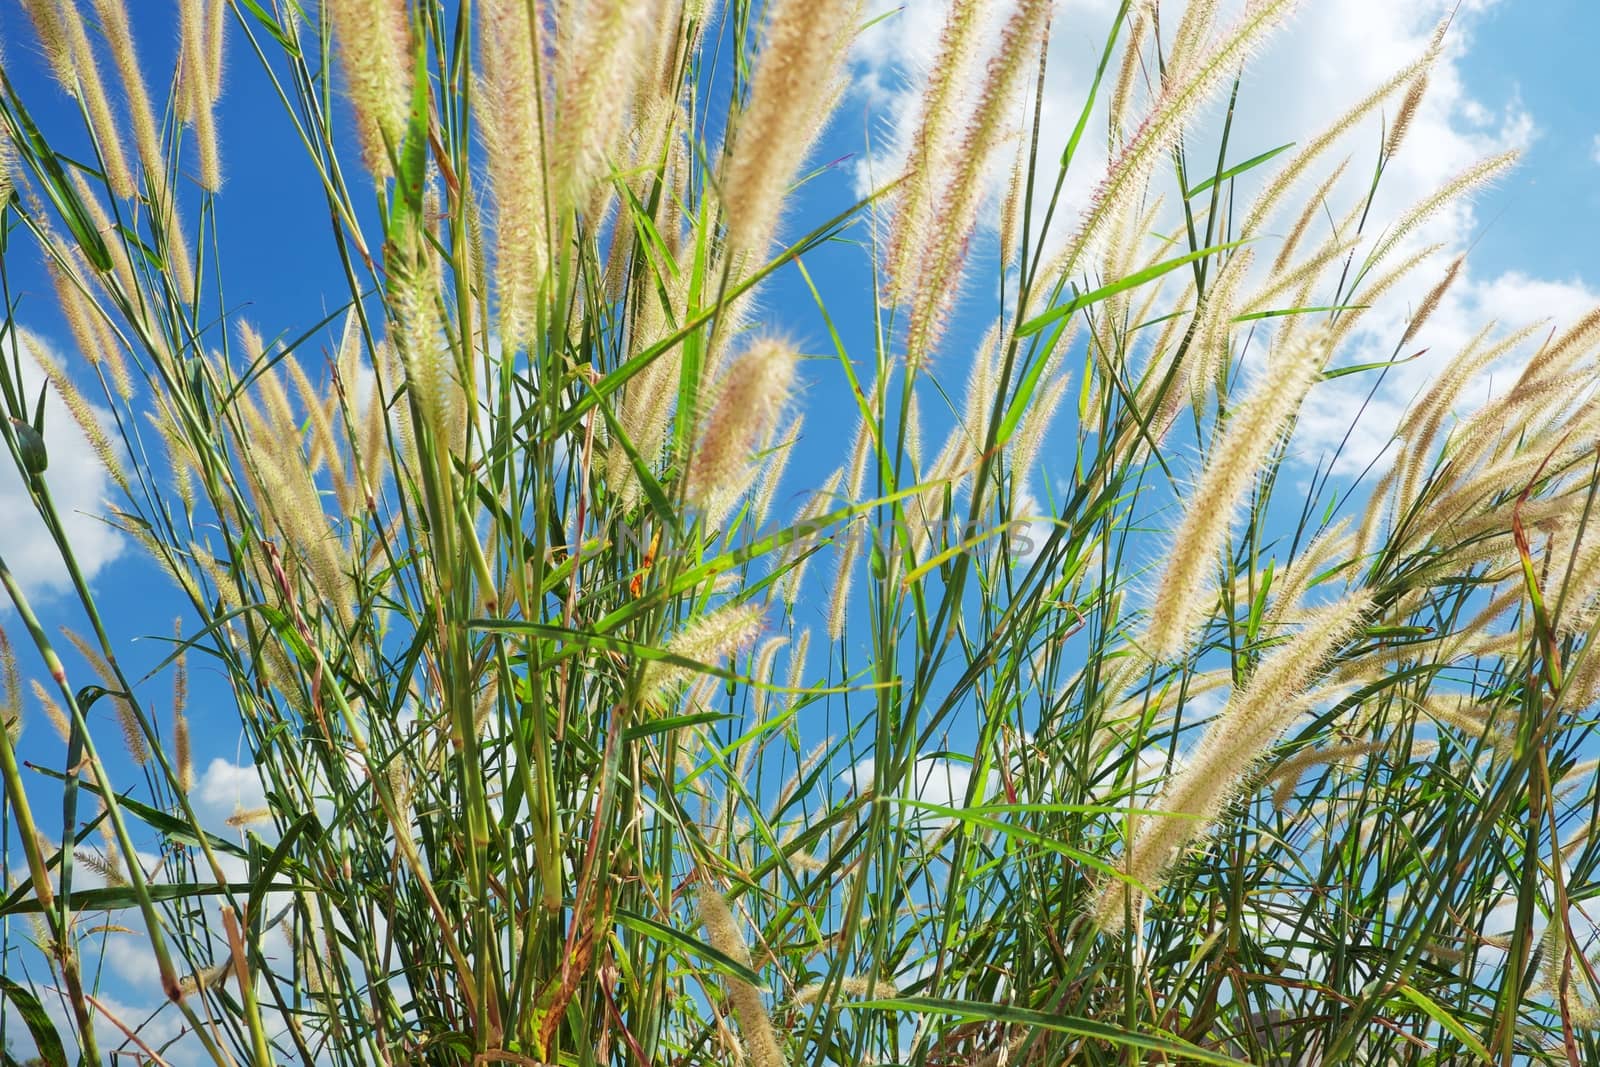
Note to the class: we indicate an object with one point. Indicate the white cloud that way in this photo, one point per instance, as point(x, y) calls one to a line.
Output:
point(937, 780)
point(1029, 528)
point(155, 1025)
point(225, 788)
point(78, 484)
point(120, 942)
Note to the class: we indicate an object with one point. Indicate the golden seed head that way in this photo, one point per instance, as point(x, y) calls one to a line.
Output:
point(512, 106)
point(603, 54)
point(1180, 99)
point(931, 154)
point(706, 639)
point(1277, 691)
point(244, 817)
point(1182, 599)
point(52, 710)
point(180, 714)
point(956, 198)
point(791, 95)
point(853, 986)
point(1468, 181)
point(374, 39)
point(750, 397)
point(53, 39)
point(755, 1025)
point(10, 688)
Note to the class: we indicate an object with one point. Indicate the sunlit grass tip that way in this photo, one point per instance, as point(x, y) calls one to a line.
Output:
point(791, 93)
point(1181, 600)
point(373, 38)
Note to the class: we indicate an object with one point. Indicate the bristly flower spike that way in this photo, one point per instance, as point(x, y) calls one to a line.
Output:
point(1181, 599)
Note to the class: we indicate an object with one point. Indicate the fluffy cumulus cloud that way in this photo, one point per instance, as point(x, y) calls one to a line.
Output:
point(78, 483)
point(1326, 57)
point(1330, 56)
point(225, 789)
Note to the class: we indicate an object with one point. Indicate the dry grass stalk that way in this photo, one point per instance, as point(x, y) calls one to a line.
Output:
point(755, 1025)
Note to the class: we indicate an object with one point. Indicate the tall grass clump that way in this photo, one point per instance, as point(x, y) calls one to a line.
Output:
point(1133, 732)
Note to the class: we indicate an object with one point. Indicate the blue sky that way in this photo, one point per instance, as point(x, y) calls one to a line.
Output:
point(1546, 218)
point(1519, 73)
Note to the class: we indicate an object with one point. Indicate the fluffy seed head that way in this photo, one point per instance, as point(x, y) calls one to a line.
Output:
point(931, 155)
point(1557, 356)
point(596, 68)
point(1030, 436)
point(216, 31)
point(91, 90)
point(791, 95)
point(244, 817)
point(706, 639)
point(1414, 94)
point(1327, 550)
point(201, 93)
point(1189, 40)
point(839, 599)
point(855, 986)
point(511, 105)
point(1210, 352)
point(1430, 303)
point(1291, 172)
point(1316, 204)
point(816, 506)
point(1258, 713)
point(113, 16)
point(132, 734)
point(1289, 772)
point(755, 1025)
point(1181, 98)
point(1182, 600)
point(374, 39)
point(53, 40)
point(954, 202)
point(797, 666)
point(78, 407)
point(1463, 184)
point(1132, 57)
point(8, 161)
point(749, 400)
point(772, 473)
point(1407, 112)
point(52, 710)
point(180, 715)
point(1371, 294)
point(10, 688)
